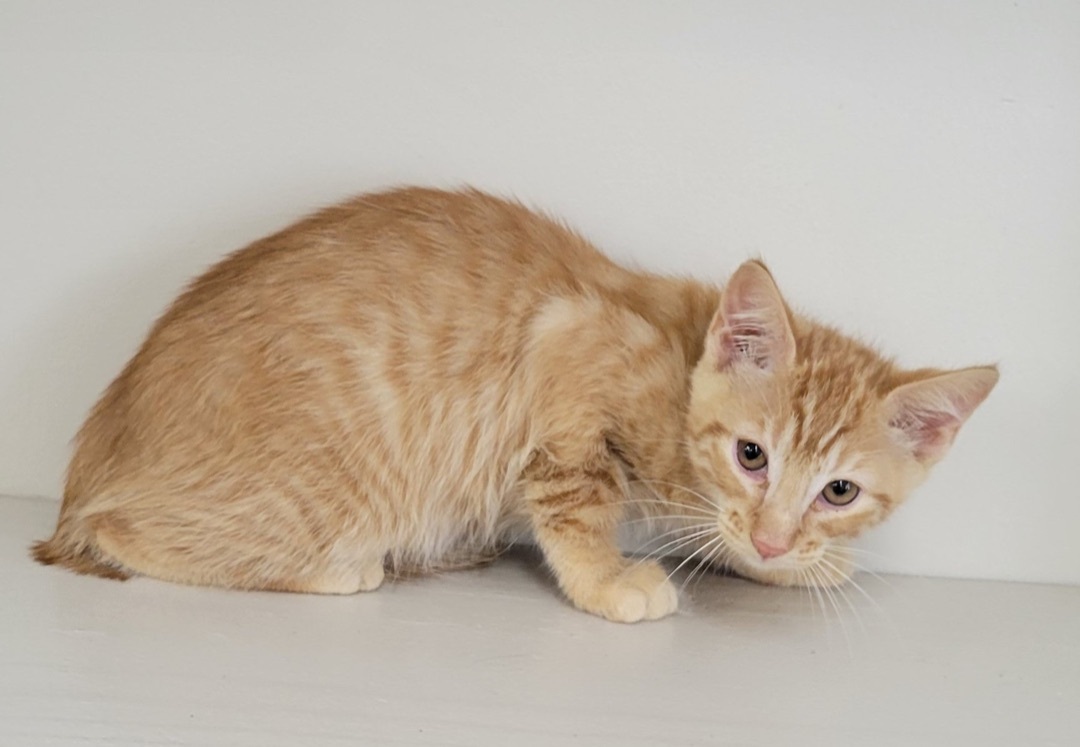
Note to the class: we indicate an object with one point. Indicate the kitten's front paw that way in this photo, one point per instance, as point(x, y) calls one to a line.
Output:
point(641, 592)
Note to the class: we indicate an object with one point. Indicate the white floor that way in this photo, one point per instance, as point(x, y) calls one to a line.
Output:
point(494, 657)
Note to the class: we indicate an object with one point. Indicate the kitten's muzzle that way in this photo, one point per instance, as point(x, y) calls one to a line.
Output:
point(767, 547)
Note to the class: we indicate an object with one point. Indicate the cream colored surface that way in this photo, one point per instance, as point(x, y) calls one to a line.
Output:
point(493, 657)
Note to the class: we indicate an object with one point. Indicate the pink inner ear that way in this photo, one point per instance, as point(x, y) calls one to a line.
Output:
point(745, 342)
point(930, 411)
point(751, 324)
point(931, 432)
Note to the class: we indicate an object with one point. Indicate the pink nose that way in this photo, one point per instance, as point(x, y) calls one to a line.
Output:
point(766, 549)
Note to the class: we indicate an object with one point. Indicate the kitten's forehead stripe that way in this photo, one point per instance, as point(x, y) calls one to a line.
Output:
point(712, 430)
point(799, 412)
point(830, 441)
point(782, 446)
point(836, 382)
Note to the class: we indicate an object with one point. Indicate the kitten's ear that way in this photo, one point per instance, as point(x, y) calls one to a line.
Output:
point(751, 325)
point(928, 412)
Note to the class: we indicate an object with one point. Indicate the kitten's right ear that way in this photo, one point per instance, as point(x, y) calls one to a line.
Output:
point(752, 324)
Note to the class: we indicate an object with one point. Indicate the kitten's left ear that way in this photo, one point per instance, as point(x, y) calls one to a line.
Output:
point(928, 412)
point(752, 325)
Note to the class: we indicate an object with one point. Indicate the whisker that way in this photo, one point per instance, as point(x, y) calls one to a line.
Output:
point(671, 517)
point(827, 562)
point(824, 587)
point(669, 504)
point(862, 551)
point(839, 589)
point(676, 544)
point(701, 563)
point(673, 548)
point(816, 588)
point(705, 562)
point(661, 517)
point(838, 554)
point(676, 530)
point(723, 556)
point(691, 491)
point(804, 586)
point(690, 557)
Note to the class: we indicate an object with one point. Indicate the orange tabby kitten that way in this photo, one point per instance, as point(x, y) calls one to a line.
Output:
point(407, 379)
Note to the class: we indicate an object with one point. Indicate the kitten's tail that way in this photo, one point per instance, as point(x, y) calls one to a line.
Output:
point(75, 553)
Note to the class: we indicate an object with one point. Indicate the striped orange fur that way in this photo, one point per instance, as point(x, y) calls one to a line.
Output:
point(411, 379)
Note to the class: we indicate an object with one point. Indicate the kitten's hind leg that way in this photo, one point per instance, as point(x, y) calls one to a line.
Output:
point(207, 549)
point(367, 576)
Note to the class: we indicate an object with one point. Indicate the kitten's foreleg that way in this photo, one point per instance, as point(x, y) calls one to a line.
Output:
point(575, 514)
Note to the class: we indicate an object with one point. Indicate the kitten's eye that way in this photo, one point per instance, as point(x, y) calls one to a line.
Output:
point(751, 456)
point(840, 492)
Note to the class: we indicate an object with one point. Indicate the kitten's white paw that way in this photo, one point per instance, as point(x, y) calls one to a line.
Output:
point(641, 592)
point(372, 576)
point(369, 578)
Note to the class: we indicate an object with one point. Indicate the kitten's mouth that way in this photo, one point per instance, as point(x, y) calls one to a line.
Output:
point(739, 546)
point(755, 561)
point(741, 555)
point(745, 558)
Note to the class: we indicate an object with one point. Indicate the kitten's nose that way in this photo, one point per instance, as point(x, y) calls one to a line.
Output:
point(767, 549)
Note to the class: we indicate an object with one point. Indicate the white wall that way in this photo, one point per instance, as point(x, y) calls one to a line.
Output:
point(910, 170)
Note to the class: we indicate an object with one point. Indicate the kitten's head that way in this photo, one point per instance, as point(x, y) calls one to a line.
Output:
point(804, 437)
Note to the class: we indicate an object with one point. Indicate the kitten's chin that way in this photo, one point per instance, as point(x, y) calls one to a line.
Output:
point(820, 574)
